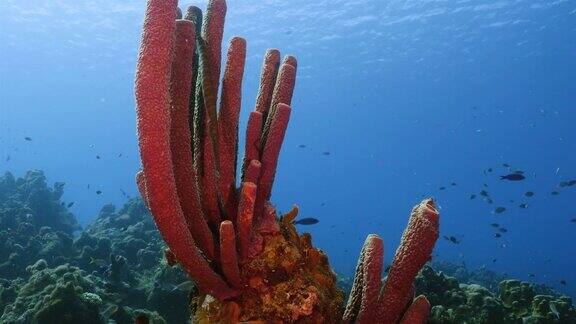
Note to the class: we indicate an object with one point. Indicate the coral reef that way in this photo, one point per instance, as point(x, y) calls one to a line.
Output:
point(33, 223)
point(517, 302)
point(115, 261)
point(248, 264)
point(107, 277)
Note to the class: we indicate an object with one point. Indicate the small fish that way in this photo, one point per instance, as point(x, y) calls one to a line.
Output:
point(484, 193)
point(531, 275)
point(500, 210)
point(97, 262)
point(307, 221)
point(472, 196)
point(123, 193)
point(29, 139)
point(529, 194)
point(573, 220)
point(494, 260)
point(302, 146)
point(489, 170)
point(326, 153)
point(485, 185)
point(184, 286)
point(523, 206)
point(97, 157)
point(8, 158)
point(554, 193)
point(441, 188)
point(506, 165)
point(563, 282)
point(98, 192)
point(453, 184)
point(452, 239)
point(109, 311)
point(489, 201)
point(513, 177)
point(497, 235)
point(495, 225)
point(119, 155)
point(70, 204)
point(554, 310)
point(503, 230)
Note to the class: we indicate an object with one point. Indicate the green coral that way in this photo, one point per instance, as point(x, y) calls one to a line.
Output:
point(516, 296)
point(517, 302)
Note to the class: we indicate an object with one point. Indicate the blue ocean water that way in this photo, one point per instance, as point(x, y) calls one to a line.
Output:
point(394, 101)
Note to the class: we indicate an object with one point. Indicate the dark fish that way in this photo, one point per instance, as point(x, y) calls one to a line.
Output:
point(472, 196)
point(88, 186)
point(8, 158)
point(531, 275)
point(452, 239)
point(554, 193)
point(497, 235)
point(563, 282)
point(494, 260)
point(98, 192)
point(29, 139)
point(573, 220)
point(529, 194)
point(307, 221)
point(523, 206)
point(97, 157)
point(70, 204)
point(441, 188)
point(489, 169)
point(326, 153)
point(567, 183)
point(503, 230)
point(513, 177)
point(484, 193)
point(499, 210)
point(495, 225)
point(453, 184)
point(302, 146)
point(511, 201)
point(123, 193)
point(489, 201)
point(120, 155)
point(506, 165)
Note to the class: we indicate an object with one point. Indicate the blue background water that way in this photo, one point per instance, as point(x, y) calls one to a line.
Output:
point(407, 96)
